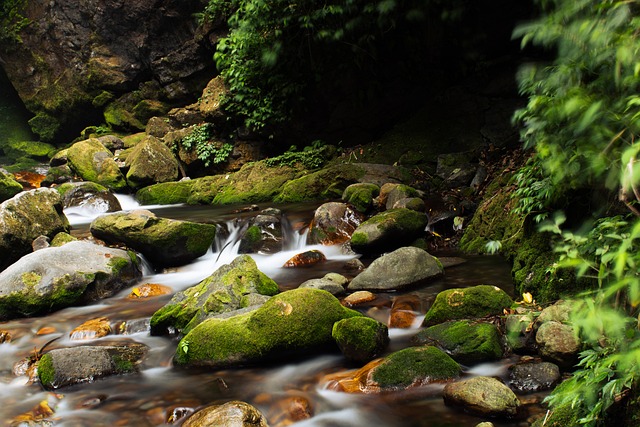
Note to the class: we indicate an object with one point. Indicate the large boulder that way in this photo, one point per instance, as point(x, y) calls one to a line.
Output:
point(466, 342)
point(151, 162)
point(58, 277)
point(467, 303)
point(230, 414)
point(485, 396)
point(397, 270)
point(294, 322)
point(25, 217)
point(9, 187)
point(74, 365)
point(232, 286)
point(388, 230)
point(94, 162)
point(559, 343)
point(162, 241)
point(333, 223)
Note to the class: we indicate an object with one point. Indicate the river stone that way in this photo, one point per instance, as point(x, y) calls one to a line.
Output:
point(400, 192)
point(361, 195)
point(485, 396)
point(94, 162)
point(467, 303)
point(404, 310)
point(88, 194)
point(26, 216)
point(232, 286)
point(388, 231)
point(333, 283)
point(333, 223)
point(151, 162)
point(558, 342)
point(360, 338)
point(9, 187)
point(162, 241)
point(466, 342)
point(398, 270)
point(559, 312)
point(298, 321)
point(264, 235)
point(75, 365)
point(230, 414)
point(57, 277)
point(532, 376)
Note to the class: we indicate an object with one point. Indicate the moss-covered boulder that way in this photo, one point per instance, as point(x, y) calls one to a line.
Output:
point(402, 268)
point(411, 366)
point(232, 286)
point(65, 367)
point(467, 303)
point(327, 183)
point(485, 396)
point(361, 195)
point(16, 149)
point(559, 343)
point(58, 277)
point(26, 216)
point(94, 162)
point(465, 341)
point(333, 223)
point(293, 322)
point(230, 414)
point(167, 193)
point(88, 195)
point(400, 192)
point(163, 241)
point(151, 162)
point(388, 230)
point(9, 187)
point(361, 338)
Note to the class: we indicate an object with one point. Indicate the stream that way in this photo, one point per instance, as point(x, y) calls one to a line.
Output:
point(161, 393)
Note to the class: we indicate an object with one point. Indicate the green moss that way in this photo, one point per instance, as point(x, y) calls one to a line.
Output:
point(64, 188)
point(562, 416)
point(166, 193)
point(361, 195)
point(361, 338)
point(122, 365)
point(46, 371)
point(9, 187)
point(467, 303)
point(61, 239)
point(33, 149)
point(415, 364)
point(31, 279)
point(45, 126)
point(325, 184)
point(102, 99)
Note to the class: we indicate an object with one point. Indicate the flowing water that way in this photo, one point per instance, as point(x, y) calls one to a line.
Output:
point(160, 391)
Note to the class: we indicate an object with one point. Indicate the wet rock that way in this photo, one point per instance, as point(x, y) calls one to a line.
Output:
point(361, 196)
point(287, 411)
point(232, 286)
point(9, 187)
point(400, 269)
point(558, 342)
point(293, 322)
point(90, 195)
point(466, 342)
point(75, 365)
point(58, 277)
point(149, 290)
point(360, 338)
point(357, 298)
point(230, 414)
point(94, 162)
point(558, 312)
point(388, 231)
point(151, 162)
point(163, 241)
point(400, 192)
point(305, 259)
point(385, 189)
point(456, 169)
point(467, 303)
point(404, 311)
point(333, 223)
point(5, 336)
point(533, 376)
point(485, 424)
point(134, 326)
point(25, 217)
point(332, 282)
point(354, 265)
point(484, 396)
point(57, 175)
point(91, 329)
point(264, 235)
point(40, 415)
point(413, 203)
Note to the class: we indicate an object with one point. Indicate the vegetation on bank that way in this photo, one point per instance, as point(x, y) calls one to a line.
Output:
point(12, 21)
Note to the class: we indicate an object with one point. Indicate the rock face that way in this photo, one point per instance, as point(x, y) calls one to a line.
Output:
point(57, 277)
point(25, 217)
point(151, 162)
point(233, 286)
point(293, 322)
point(467, 303)
point(264, 235)
point(230, 414)
point(484, 396)
point(388, 230)
point(81, 55)
point(163, 241)
point(397, 270)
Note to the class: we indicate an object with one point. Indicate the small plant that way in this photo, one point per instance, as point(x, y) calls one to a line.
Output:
point(12, 21)
point(184, 346)
point(210, 152)
point(311, 157)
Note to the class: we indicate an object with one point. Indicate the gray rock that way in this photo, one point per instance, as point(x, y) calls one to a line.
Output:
point(230, 414)
point(397, 270)
point(332, 282)
point(484, 396)
point(399, 192)
point(534, 376)
point(558, 343)
point(388, 231)
point(151, 162)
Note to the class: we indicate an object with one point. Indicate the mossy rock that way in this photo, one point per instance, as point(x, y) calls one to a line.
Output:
point(166, 193)
point(62, 239)
point(150, 162)
point(465, 341)
point(325, 184)
point(9, 187)
point(93, 162)
point(45, 125)
point(231, 287)
point(361, 338)
point(414, 365)
point(294, 322)
point(388, 230)
point(361, 195)
point(33, 149)
point(255, 182)
point(467, 303)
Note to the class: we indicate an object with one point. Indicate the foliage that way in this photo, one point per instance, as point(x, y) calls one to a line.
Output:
point(12, 21)
point(311, 157)
point(206, 150)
